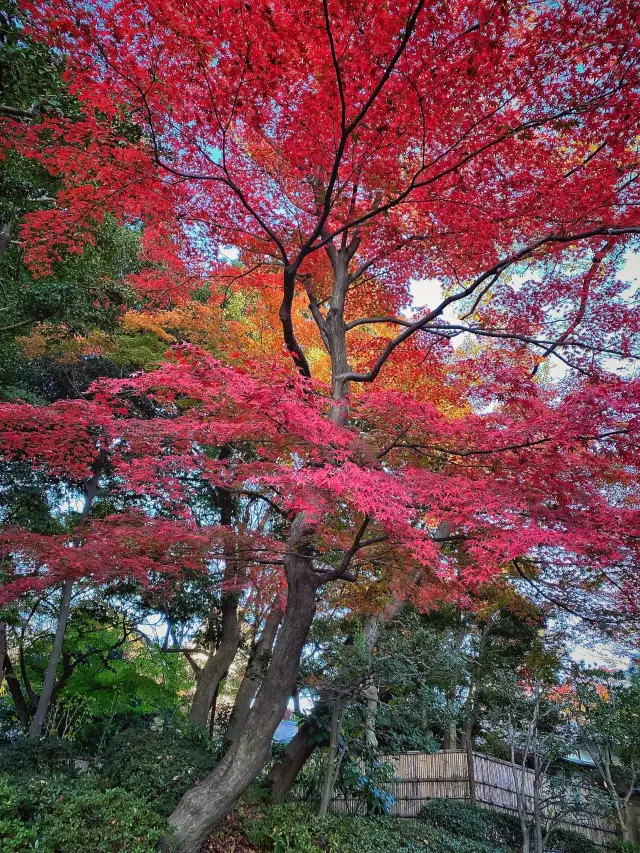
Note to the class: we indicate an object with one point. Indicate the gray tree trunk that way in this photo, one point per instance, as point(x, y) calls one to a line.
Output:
point(330, 770)
point(204, 805)
point(209, 678)
point(254, 674)
point(283, 775)
point(37, 724)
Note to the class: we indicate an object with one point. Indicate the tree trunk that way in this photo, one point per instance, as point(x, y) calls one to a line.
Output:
point(371, 694)
point(35, 731)
point(255, 672)
point(212, 673)
point(209, 677)
point(5, 237)
point(332, 755)
point(3, 649)
point(537, 807)
point(203, 806)
point(471, 766)
point(212, 713)
point(37, 724)
point(283, 775)
point(20, 704)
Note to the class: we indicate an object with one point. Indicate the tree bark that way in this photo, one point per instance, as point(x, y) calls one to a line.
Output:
point(471, 766)
point(5, 237)
point(203, 806)
point(255, 672)
point(212, 713)
point(3, 649)
point(37, 724)
point(283, 775)
point(332, 755)
point(22, 709)
point(209, 677)
point(212, 673)
point(537, 806)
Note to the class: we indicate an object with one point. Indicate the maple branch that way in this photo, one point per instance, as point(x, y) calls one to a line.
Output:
point(348, 129)
point(415, 183)
point(505, 448)
point(480, 297)
point(394, 443)
point(342, 572)
point(497, 268)
point(366, 321)
point(584, 296)
point(336, 65)
point(286, 318)
point(562, 604)
point(526, 339)
point(316, 313)
point(585, 161)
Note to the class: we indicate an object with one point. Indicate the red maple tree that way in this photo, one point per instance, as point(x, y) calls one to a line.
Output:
point(343, 150)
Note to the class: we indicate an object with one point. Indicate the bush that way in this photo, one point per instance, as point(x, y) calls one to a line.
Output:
point(625, 847)
point(566, 841)
point(469, 821)
point(480, 824)
point(368, 788)
point(49, 755)
point(294, 829)
point(159, 765)
point(62, 815)
point(14, 834)
point(110, 821)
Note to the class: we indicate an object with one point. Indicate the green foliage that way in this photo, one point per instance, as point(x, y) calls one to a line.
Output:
point(368, 787)
point(469, 821)
point(565, 841)
point(294, 829)
point(61, 815)
point(611, 719)
point(15, 835)
point(50, 755)
point(125, 682)
point(625, 847)
point(141, 351)
point(159, 764)
point(480, 824)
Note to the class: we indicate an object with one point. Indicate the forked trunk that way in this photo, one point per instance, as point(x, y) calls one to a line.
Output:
point(255, 672)
point(203, 806)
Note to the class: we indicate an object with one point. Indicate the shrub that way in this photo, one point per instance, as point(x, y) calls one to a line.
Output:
point(480, 824)
point(111, 821)
point(49, 755)
point(368, 788)
point(566, 841)
point(14, 834)
point(57, 814)
point(625, 847)
point(469, 821)
point(159, 765)
point(294, 829)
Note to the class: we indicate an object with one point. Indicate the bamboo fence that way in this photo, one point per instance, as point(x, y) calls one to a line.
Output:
point(421, 777)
